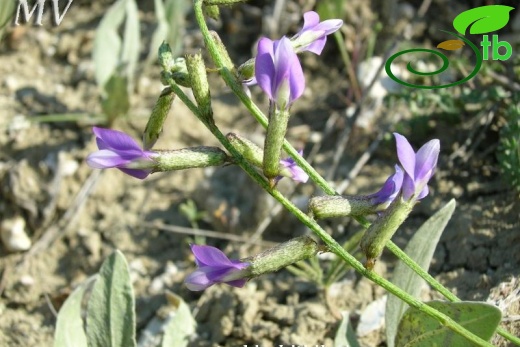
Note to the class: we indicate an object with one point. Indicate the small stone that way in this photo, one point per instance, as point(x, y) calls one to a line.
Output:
point(372, 317)
point(27, 280)
point(14, 236)
point(69, 167)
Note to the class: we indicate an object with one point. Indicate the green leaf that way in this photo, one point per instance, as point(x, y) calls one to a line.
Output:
point(176, 11)
point(345, 336)
point(160, 32)
point(6, 13)
point(483, 19)
point(111, 308)
point(107, 43)
point(417, 329)
point(170, 26)
point(116, 102)
point(420, 249)
point(131, 41)
point(180, 325)
point(69, 325)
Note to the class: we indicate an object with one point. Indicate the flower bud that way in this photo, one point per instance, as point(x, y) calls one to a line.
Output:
point(340, 206)
point(200, 86)
point(254, 155)
point(172, 68)
point(155, 122)
point(281, 256)
point(166, 57)
point(251, 152)
point(246, 71)
point(222, 51)
point(187, 158)
point(212, 11)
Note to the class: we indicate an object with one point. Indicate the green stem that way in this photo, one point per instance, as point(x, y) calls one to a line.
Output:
point(306, 220)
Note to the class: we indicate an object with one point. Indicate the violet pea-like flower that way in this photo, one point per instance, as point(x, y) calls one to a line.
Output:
point(390, 189)
point(313, 35)
point(419, 167)
point(215, 267)
point(119, 150)
point(279, 72)
point(292, 170)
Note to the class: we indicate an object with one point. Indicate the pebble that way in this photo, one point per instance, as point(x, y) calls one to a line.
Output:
point(68, 166)
point(13, 235)
point(27, 280)
point(372, 317)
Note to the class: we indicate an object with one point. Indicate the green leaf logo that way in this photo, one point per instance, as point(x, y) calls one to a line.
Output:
point(483, 19)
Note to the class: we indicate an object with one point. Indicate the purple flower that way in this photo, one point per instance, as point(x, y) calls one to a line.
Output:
point(215, 267)
point(292, 170)
point(419, 167)
point(278, 71)
point(313, 35)
point(117, 149)
point(390, 189)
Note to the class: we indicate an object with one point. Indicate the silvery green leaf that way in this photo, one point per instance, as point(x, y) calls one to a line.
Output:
point(131, 40)
point(116, 102)
point(160, 32)
point(170, 26)
point(417, 329)
point(175, 12)
point(6, 13)
point(180, 323)
point(70, 330)
point(111, 307)
point(107, 43)
point(420, 249)
point(345, 336)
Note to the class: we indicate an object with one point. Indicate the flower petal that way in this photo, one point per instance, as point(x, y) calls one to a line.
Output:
point(137, 173)
point(423, 192)
point(406, 155)
point(198, 280)
point(313, 36)
point(238, 283)
point(210, 256)
point(316, 47)
point(329, 26)
point(264, 66)
point(293, 171)
point(113, 139)
point(105, 159)
point(408, 187)
point(296, 78)
point(426, 161)
point(310, 20)
point(283, 60)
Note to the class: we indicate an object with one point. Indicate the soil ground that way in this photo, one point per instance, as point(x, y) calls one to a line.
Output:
point(75, 216)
